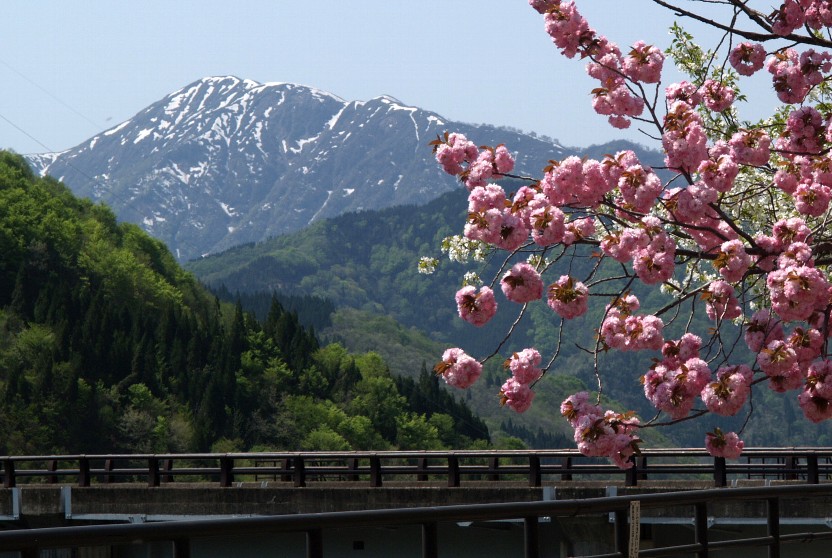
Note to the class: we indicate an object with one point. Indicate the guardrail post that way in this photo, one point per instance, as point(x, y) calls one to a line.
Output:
point(109, 465)
point(83, 472)
point(720, 472)
point(453, 471)
point(375, 471)
point(430, 541)
point(631, 474)
point(773, 519)
point(531, 537)
point(790, 463)
point(422, 465)
point(52, 465)
point(534, 471)
point(153, 472)
point(566, 465)
point(226, 471)
point(167, 467)
point(300, 472)
point(701, 526)
point(8, 474)
point(494, 469)
point(314, 544)
point(287, 467)
point(812, 475)
point(353, 467)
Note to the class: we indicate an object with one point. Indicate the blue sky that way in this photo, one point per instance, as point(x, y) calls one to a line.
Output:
point(70, 70)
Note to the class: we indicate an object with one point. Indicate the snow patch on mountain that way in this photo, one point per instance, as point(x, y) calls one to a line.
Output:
point(225, 160)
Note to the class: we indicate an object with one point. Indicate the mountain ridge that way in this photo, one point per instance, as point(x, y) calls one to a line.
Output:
point(224, 161)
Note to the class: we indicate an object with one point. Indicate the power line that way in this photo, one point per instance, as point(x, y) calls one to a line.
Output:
point(27, 134)
point(51, 95)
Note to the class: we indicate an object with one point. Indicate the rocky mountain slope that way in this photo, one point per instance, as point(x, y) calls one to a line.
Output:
point(225, 161)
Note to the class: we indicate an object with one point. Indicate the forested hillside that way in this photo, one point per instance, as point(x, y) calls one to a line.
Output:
point(365, 263)
point(106, 344)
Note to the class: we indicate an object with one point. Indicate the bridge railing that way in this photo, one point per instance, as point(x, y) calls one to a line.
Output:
point(452, 468)
point(624, 512)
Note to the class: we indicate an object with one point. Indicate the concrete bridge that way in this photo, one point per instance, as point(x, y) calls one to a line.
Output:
point(44, 492)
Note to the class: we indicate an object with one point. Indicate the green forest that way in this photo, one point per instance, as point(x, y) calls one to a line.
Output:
point(365, 263)
point(108, 345)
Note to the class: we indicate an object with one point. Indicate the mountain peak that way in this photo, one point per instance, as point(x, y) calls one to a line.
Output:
point(225, 160)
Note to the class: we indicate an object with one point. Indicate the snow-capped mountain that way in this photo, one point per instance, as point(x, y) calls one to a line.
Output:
point(225, 161)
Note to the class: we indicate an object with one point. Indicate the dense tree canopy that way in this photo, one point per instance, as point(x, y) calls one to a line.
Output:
point(106, 344)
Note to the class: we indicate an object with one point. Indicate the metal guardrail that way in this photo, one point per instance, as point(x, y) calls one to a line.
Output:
point(180, 533)
point(299, 468)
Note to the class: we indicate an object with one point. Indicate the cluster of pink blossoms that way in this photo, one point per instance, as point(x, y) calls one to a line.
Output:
point(797, 288)
point(571, 33)
point(648, 245)
point(794, 14)
point(568, 298)
point(798, 291)
point(475, 307)
point(728, 393)
point(816, 398)
point(522, 284)
point(723, 444)
point(461, 157)
point(747, 58)
point(684, 140)
point(732, 261)
point(673, 384)
point(720, 301)
point(794, 75)
point(623, 330)
point(458, 369)
point(600, 433)
point(584, 183)
point(783, 358)
point(516, 392)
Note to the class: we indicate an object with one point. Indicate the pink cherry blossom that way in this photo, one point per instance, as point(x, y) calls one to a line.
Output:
point(761, 329)
point(751, 147)
point(547, 225)
point(717, 96)
point(684, 91)
point(807, 344)
point(732, 261)
point(727, 445)
point(684, 139)
point(627, 332)
point(719, 171)
point(483, 198)
point(522, 284)
point(681, 350)
point(729, 392)
point(578, 405)
point(578, 229)
point(567, 297)
point(747, 58)
point(789, 81)
point(720, 302)
point(644, 63)
point(458, 369)
point(525, 366)
point(474, 307)
point(776, 358)
point(567, 28)
point(816, 398)
point(516, 396)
